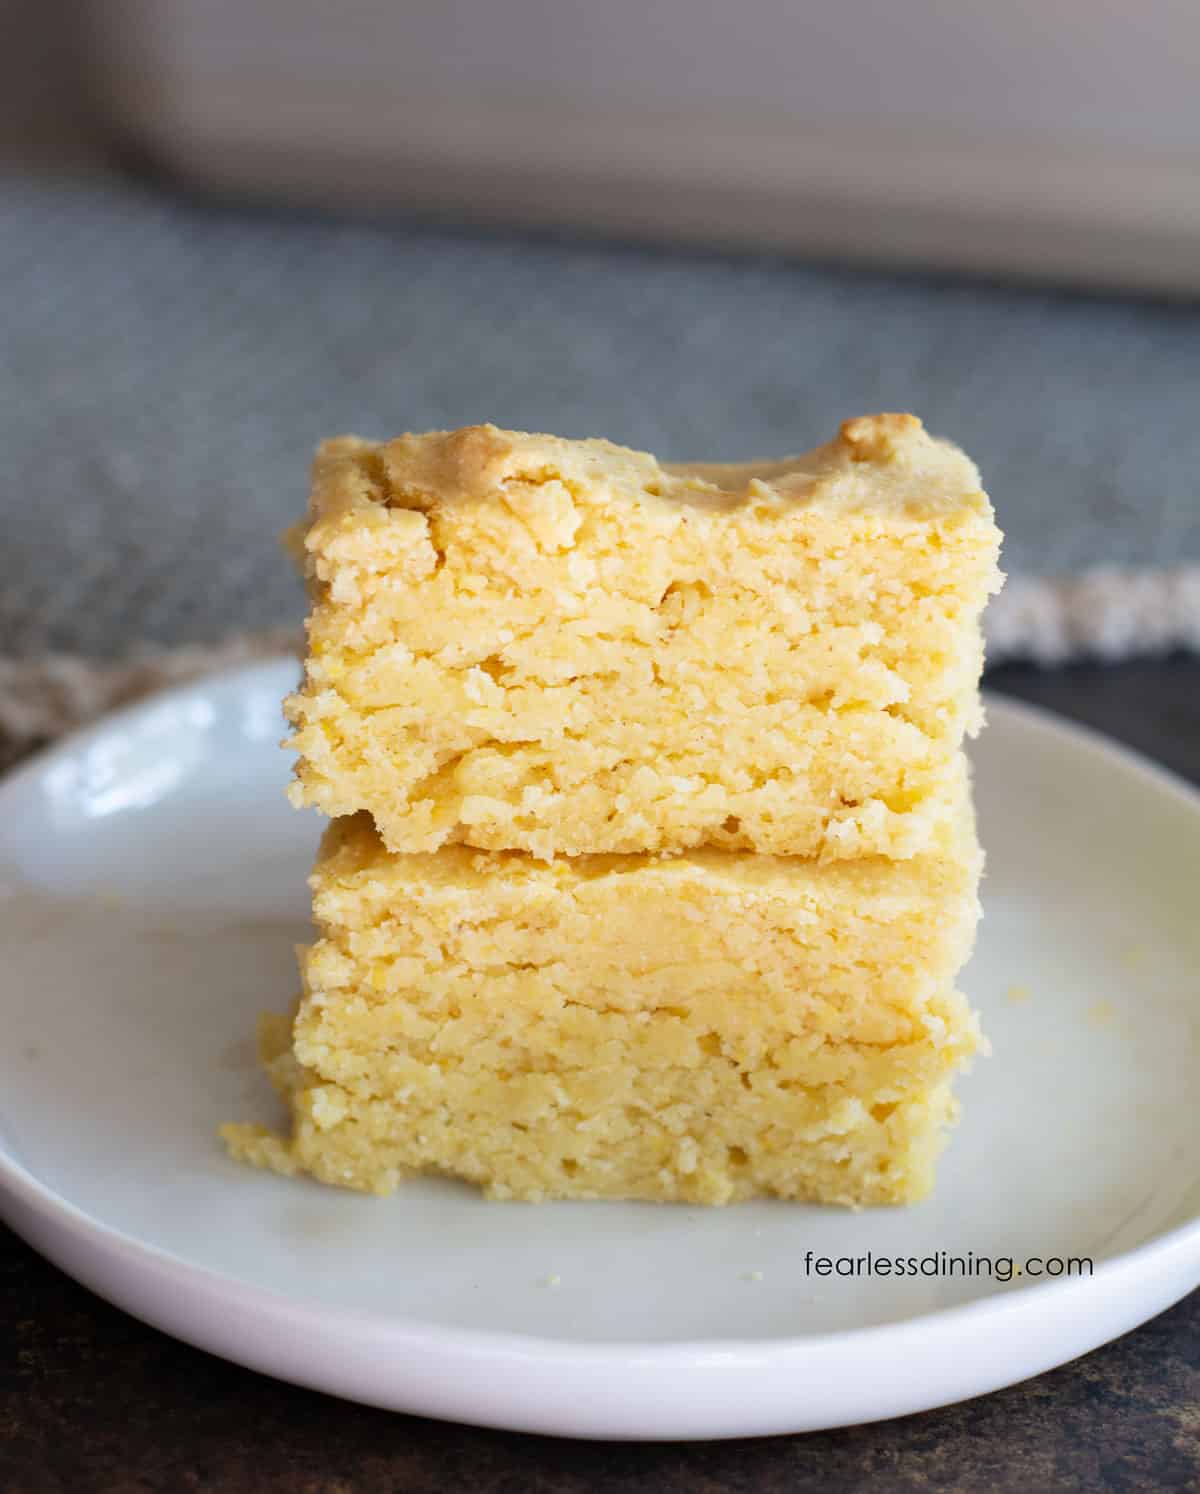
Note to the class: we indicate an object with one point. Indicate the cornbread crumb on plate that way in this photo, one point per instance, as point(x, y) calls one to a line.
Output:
point(565, 647)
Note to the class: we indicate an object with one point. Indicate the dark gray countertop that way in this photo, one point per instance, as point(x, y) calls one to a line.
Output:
point(91, 1399)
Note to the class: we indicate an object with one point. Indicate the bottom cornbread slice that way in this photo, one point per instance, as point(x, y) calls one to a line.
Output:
point(702, 1134)
point(704, 1028)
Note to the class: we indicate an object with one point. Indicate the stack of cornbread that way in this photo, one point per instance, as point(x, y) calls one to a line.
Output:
point(652, 863)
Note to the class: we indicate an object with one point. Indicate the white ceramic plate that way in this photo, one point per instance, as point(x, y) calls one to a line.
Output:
point(154, 886)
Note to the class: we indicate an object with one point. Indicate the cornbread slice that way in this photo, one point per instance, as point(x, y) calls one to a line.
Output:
point(681, 1134)
point(707, 1027)
point(564, 647)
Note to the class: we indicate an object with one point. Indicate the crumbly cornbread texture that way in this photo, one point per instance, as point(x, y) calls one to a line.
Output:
point(704, 1027)
point(564, 647)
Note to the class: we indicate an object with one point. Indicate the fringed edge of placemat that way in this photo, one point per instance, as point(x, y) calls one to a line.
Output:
point(1106, 615)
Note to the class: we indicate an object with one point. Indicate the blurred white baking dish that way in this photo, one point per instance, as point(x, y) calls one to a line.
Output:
point(1049, 137)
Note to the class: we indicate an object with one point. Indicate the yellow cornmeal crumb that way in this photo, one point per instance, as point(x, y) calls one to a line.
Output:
point(566, 648)
point(706, 1027)
point(426, 947)
point(1018, 994)
point(818, 1143)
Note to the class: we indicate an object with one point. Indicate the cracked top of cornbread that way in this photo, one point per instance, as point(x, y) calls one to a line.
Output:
point(566, 647)
point(878, 462)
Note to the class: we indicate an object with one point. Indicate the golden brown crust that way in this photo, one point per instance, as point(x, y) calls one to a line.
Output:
point(885, 461)
point(879, 438)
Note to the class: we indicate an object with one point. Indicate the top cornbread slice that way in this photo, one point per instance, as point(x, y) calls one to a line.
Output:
point(523, 643)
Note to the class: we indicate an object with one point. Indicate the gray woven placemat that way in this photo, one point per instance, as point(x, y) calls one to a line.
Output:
point(169, 365)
